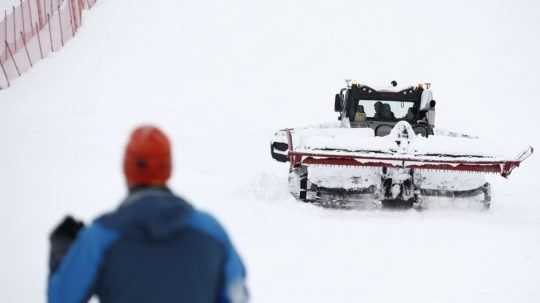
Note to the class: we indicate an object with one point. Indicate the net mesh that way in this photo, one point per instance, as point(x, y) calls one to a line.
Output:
point(32, 30)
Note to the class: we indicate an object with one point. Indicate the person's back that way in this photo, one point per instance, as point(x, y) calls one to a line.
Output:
point(154, 248)
point(386, 112)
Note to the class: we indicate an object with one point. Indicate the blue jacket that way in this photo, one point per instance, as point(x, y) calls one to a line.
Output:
point(154, 248)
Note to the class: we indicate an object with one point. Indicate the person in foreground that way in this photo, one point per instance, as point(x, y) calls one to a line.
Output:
point(154, 248)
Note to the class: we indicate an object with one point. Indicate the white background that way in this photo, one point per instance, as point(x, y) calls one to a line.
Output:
point(220, 78)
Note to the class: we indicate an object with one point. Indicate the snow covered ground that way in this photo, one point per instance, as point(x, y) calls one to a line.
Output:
point(220, 78)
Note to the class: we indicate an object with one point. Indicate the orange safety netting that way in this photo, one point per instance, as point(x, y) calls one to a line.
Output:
point(34, 29)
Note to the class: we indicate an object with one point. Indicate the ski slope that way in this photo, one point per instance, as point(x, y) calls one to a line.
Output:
point(220, 78)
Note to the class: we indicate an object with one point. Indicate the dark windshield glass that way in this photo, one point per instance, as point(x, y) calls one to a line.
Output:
point(386, 110)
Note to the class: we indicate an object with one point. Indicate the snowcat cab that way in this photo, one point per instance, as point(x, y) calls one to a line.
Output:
point(361, 106)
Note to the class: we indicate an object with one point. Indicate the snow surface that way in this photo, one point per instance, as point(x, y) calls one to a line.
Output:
point(221, 78)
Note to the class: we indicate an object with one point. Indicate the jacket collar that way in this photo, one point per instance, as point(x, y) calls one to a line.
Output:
point(139, 192)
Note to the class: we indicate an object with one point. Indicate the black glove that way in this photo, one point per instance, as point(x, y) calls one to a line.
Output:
point(68, 228)
point(61, 238)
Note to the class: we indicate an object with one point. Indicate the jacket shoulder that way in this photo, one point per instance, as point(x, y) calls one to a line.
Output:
point(206, 223)
point(73, 280)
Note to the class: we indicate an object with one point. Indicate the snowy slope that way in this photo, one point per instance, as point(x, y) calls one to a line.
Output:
point(220, 79)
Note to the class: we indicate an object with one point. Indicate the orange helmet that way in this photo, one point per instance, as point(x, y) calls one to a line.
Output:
point(147, 158)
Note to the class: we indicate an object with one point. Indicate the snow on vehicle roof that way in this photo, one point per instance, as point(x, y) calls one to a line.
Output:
point(388, 87)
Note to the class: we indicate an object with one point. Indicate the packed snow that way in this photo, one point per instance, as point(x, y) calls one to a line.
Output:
point(221, 78)
point(353, 141)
